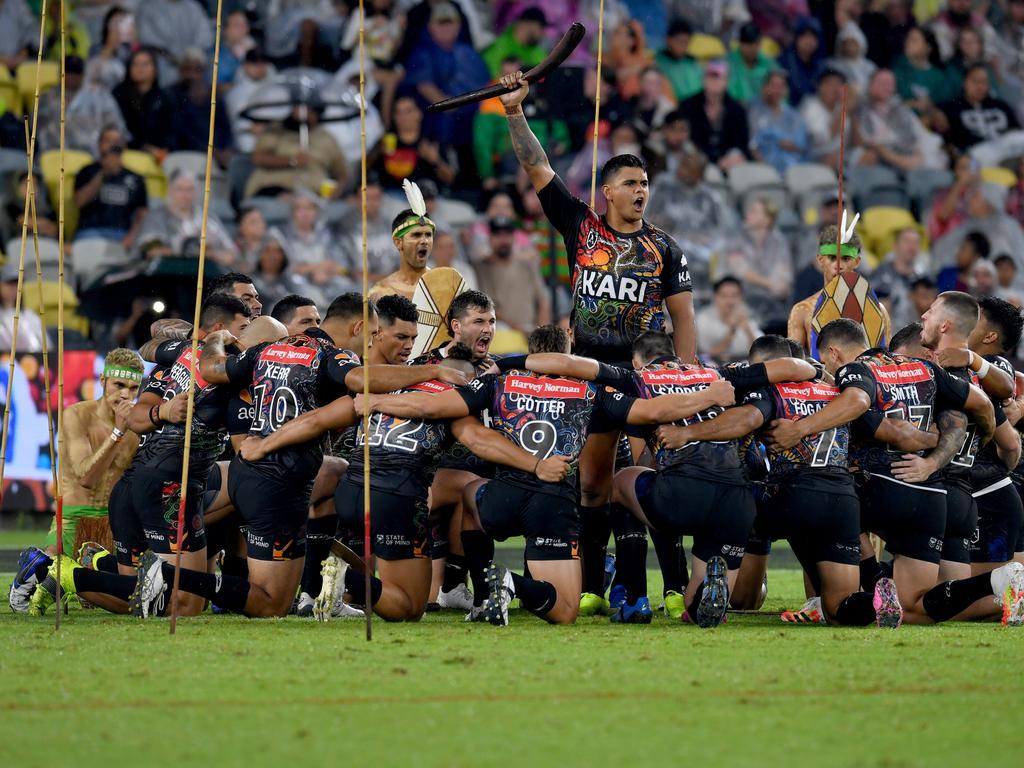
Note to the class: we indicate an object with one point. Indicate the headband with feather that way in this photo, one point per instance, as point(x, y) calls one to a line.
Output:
point(418, 205)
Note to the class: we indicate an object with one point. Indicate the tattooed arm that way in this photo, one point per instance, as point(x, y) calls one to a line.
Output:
point(167, 329)
point(213, 363)
point(952, 433)
point(528, 150)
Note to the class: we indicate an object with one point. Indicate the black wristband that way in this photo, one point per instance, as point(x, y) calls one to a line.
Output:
point(154, 416)
point(511, 362)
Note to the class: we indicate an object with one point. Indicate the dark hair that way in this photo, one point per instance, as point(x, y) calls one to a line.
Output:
point(844, 333)
point(1005, 258)
point(650, 345)
point(909, 334)
point(395, 307)
point(963, 310)
point(222, 308)
point(459, 351)
point(348, 306)
point(922, 282)
point(934, 54)
point(825, 75)
point(771, 347)
point(402, 216)
point(284, 310)
point(727, 280)
point(617, 163)
point(223, 284)
point(796, 349)
point(829, 235)
point(143, 51)
point(114, 10)
point(464, 302)
point(973, 67)
point(679, 26)
point(1006, 318)
point(549, 338)
point(979, 242)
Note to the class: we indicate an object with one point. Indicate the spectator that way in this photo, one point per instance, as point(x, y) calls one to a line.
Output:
point(958, 16)
point(981, 123)
point(406, 153)
point(614, 111)
point(76, 36)
point(520, 298)
point(974, 247)
point(1006, 279)
point(718, 123)
point(251, 237)
point(804, 59)
point(446, 254)
point(663, 146)
point(748, 65)
point(30, 327)
point(544, 239)
point(251, 80)
point(521, 41)
point(760, 258)
point(235, 44)
point(886, 25)
point(778, 134)
point(111, 200)
point(14, 208)
point(1010, 43)
point(627, 56)
point(478, 236)
point(283, 164)
point(982, 280)
point(272, 275)
point(145, 105)
point(822, 113)
point(652, 105)
point(19, 33)
point(313, 251)
point(384, 30)
point(922, 80)
point(90, 108)
point(724, 328)
point(174, 229)
point(418, 18)
point(190, 107)
point(897, 274)
point(168, 28)
point(1015, 196)
point(381, 209)
point(923, 293)
point(886, 132)
point(850, 59)
point(443, 66)
point(949, 209)
point(775, 18)
point(674, 61)
point(986, 209)
point(118, 40)
point(711, 17)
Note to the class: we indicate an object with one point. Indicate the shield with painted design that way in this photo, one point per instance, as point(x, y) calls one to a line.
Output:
point(849, 295)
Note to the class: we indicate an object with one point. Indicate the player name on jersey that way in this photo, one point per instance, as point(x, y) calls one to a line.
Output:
point(603, 285)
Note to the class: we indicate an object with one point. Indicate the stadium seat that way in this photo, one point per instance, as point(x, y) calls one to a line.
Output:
point(195, 164)
point(12, 161)
point(879, 225)
point(274, 211)
point(866, 183)
point(705, 47)
point(49, 257)
point(147, 167)
point(808, 183)
point(1004, 177)
point(923, 185)
point(757, 180)
point(92, 257)
point(9, 91)
point(49, 164)
point(51, 294)
point(49, 76)
point(508, 342)
point(222, 209)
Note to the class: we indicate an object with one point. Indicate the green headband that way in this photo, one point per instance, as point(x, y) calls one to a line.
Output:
point(410, 224)
point(829, 249)
point(113, 372)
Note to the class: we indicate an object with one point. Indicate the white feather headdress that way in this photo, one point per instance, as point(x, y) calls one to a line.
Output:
point(415, 198)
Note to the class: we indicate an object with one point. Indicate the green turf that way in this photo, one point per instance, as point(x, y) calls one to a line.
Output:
point(229, 691)
point(18, 539)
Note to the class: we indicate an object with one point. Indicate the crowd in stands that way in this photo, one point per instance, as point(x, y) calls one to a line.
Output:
point(735, 105)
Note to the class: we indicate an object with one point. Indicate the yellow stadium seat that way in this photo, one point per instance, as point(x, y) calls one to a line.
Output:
point(1004, 177)
point(770, 48)
point(705, 47)
point(49, 76)
point(9, 91)
point(51, 294)
point(508, 342)
point(49, 164)
point(147, 167)
point(879, 225)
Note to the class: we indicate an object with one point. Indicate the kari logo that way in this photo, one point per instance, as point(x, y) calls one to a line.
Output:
point(561, 388)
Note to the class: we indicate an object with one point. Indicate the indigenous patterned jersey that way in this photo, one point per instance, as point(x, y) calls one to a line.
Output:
point(544, 415)
point(403, 452)
point(900, 388)
point(959, 468)
point(288, 378)
point(164, 448)
point(619, 280)
point(794, 401)
point(988, 468)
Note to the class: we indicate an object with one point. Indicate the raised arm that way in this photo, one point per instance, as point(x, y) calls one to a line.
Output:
point(416, 405)
point(528, 150)
point(492, 447)
point(338, 414)
point(665, 409)
point(851, 404)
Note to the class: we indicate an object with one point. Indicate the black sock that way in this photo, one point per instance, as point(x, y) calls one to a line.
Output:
point(857, 610)
point(107, 564)
point(948, 599)
point(630, 552)
point(228, 592)
point(479, 551)
point(42, 568)
point(671, 560)
point(594, 532)
point(87, 580)
point(454, 572)
point(355, 585)
point(870, 573)
point(538, 597)
point(319, 534)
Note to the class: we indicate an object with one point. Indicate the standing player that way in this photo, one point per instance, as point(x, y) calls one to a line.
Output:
point(623, 271)
point(413, 237)
point(96, 449)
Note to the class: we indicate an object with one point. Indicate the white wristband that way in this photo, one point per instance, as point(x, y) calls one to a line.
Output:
point(116, 435)
point(983, 370)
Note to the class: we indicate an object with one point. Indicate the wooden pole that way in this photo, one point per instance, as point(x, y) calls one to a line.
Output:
point(60, 306)
point(367, 555)
point(195, 324)
point(597, 101)
point(842, 161)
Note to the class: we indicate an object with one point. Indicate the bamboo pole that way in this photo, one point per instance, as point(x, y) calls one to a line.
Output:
point(597, 102)
point(367, 555)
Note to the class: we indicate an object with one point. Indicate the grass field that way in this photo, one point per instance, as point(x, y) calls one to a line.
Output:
point(230, 691)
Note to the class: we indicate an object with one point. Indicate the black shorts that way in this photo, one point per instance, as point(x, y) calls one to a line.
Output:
point(961, 524)
point(274, 506)
point(551, 524)
point(125, 528)
point(820, 516)
point(760, 538)
point(999, 526)
point(911, 521)
point(212, 488)
point(398, 524)
point(156, 495)
point(719, 516)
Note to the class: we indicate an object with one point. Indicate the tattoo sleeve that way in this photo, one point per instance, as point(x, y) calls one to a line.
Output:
point(170, 328)
point(527, 148)
point(952, 433)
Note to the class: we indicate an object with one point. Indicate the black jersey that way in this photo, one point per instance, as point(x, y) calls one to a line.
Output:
point(404, 453)
point(164, 448)
point(900, 388)
point(827, 450)
point(619, 280)
point(544, 415)
point(288, 378)
point(958, 471)
point(988, 468)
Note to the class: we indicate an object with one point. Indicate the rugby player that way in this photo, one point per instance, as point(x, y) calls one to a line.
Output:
point(830, 263)
point(623, 271)
point(413, 237)
point(96, 448)
point(547, 416)
point(285, 379)
point(909, 517)
point(298, 313)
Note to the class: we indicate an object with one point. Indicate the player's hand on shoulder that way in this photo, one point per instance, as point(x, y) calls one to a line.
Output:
point(362, 404)
point(176, 410)
point(516, 97)
point(672, 437)
point(224, 337)
point(553, 469)
point(252, 448)
point(953, 358)
point(723, 392)
point(783, 434)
